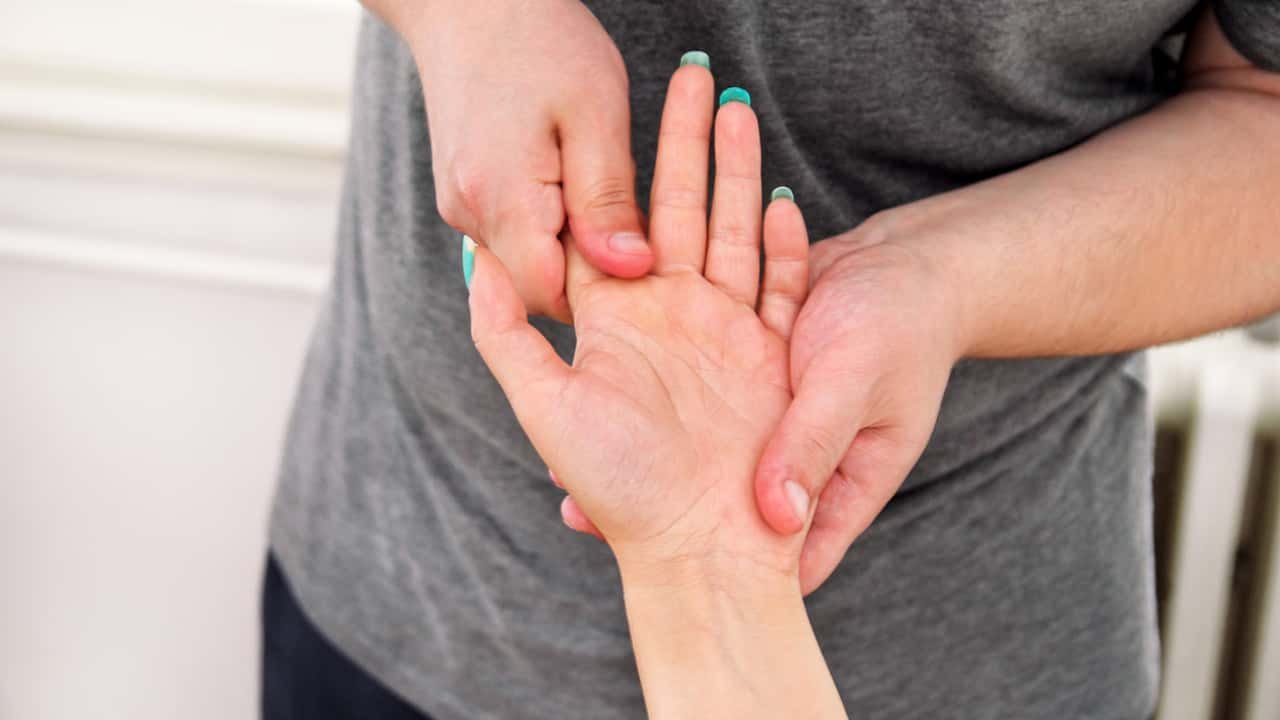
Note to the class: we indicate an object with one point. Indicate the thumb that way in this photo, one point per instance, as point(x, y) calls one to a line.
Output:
point(812, 439)
point(599, 191)
point(521, 359)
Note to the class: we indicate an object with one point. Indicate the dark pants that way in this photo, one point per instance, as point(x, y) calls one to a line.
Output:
point(304, 677)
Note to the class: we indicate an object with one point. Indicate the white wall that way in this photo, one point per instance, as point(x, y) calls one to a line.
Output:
point(168, 172)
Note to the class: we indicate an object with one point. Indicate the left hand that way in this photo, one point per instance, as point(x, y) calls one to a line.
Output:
point(679, 377)
point(871, 353)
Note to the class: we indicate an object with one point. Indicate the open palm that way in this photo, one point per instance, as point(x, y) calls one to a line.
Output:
point(680, 377)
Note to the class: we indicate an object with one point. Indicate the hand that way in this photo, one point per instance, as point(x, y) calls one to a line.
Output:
point(678, 380)
point(680, 377)
point(522, 99)
point(871, 353)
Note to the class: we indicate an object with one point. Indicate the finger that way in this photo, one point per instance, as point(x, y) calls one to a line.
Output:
point(573, 516)
point(530, 372)
point(869, 475)
point(536, 265)
point(578, 272)
point(786, 264)
point(678, 199)
point(814, 436)
point(599, 184)
point(733, 245)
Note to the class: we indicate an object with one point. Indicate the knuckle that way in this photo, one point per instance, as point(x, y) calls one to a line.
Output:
point(820, 449)
point(616, 65)
point(460, 194)
point(734, 234)
point(468, 184)
point(607, 193)
point(678, 195)
point(451, 210)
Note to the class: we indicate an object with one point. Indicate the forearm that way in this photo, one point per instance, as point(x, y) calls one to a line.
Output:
point(1161, 228)
point(742, 649)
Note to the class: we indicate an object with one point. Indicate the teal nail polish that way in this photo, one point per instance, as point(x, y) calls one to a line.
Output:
point(468, 259)
point(696, 57)
point(735, 94)
point(782, 191)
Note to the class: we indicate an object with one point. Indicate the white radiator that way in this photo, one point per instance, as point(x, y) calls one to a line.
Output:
point(1218, 491)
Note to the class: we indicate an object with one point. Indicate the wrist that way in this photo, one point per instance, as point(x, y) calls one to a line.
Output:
point(709, 643)
point(725, 639)
point(918, 238)
point(708, 577)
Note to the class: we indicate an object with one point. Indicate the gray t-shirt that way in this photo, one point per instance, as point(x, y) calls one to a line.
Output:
point(1011, 577)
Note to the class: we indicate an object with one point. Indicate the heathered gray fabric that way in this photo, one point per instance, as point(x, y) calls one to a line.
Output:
point(1253, 27)
point(1012, 575)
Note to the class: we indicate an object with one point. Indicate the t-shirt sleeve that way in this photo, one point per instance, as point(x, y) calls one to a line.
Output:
point(1253, 27)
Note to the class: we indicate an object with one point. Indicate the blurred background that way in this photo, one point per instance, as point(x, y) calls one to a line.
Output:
point(168, 178)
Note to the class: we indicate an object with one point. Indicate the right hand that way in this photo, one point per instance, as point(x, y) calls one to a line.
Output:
point(528, 110)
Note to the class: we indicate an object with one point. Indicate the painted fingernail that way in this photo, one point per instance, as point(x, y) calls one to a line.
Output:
point(468, 259)
point(696, 57)
point(783, 192)
point(628, 243)
point(799, 499)
point(735, 94)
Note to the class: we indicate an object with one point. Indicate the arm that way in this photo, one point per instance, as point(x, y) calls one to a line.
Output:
point(1163, 227)
point(739, 649)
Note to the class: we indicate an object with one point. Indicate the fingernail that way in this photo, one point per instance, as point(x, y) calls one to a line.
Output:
point(468, 259)
point(628, 243)
point(782, 191)
point(735, 94)
point(799, 499)
point(696, 57)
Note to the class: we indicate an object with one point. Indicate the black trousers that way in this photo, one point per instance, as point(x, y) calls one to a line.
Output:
point(304, 677)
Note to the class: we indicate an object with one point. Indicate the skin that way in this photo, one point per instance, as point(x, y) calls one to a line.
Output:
point(1161, 228)
point(679, 379)
point(516, 155)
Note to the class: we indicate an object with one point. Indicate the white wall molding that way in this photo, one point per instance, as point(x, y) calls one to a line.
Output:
point(183, 266)
point(270, 74)
point(172, 115)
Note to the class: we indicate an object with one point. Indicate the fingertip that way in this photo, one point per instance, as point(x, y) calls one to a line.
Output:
point(623, 253)
point(697, 58)
point(737, 128)
point(735, 95)
point(784, 222)
point(694, 85)
point(575, 519)
point(468, 259)
point(778, 502)
point(567, 506)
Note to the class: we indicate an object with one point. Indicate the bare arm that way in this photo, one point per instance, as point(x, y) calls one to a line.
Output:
point(1164, 227)
point(708, 647)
